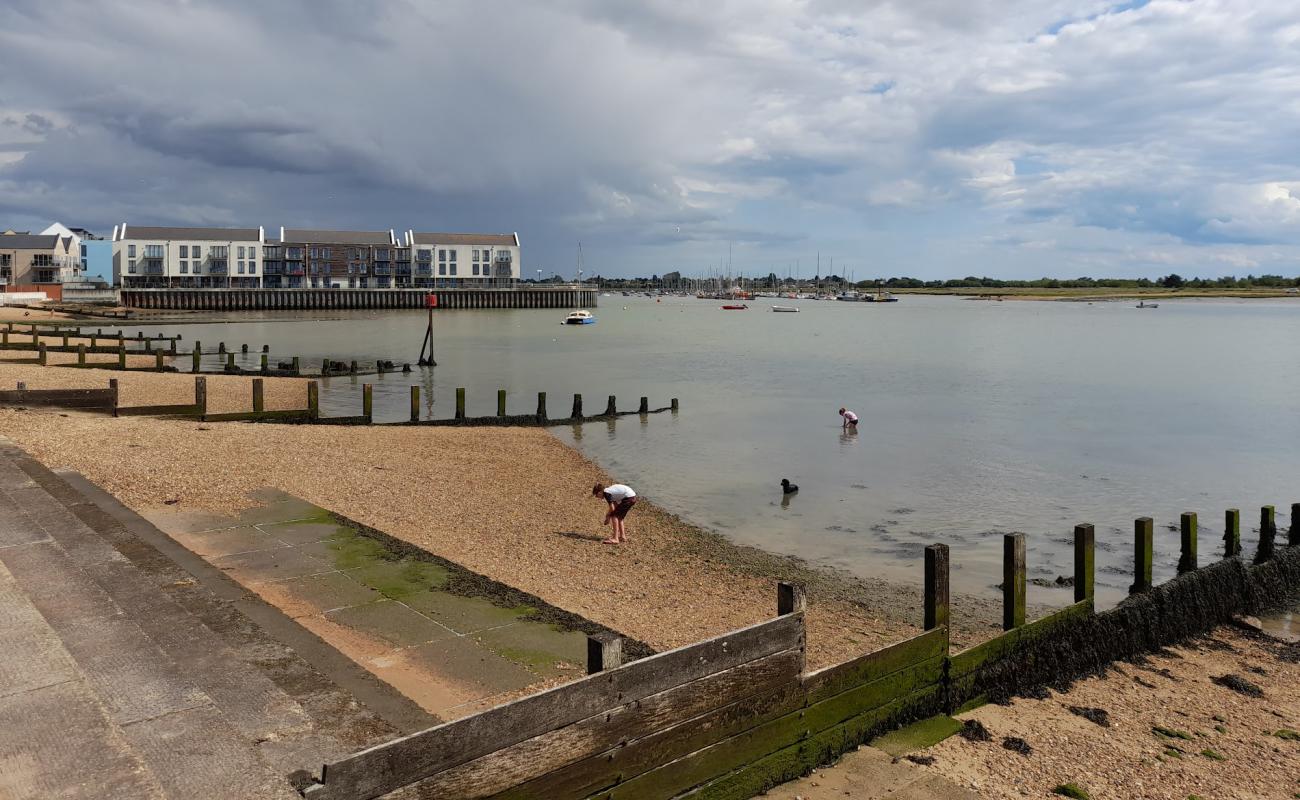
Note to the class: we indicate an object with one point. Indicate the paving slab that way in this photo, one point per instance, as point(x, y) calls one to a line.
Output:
point(464, 614)
point(871, 774)
point(399, 579)
point(392, 622)
point(228, 541)
point(270, 565)
point(538, 646)
point(316, 594)
point(195, 754)
point(57, 742)
point(301, 532)
point(445, 674)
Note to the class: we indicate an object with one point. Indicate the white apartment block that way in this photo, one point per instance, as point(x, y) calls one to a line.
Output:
point(187, 258)
point(465, 259)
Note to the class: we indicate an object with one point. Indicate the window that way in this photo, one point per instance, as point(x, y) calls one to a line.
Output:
point(453, 257)
point(442, 269)
point(424, 255)
point(83, 251)
point(185, 265)
point(185, 251)
point(475, 264)
point(476, 255)
point(241, 254)
point(325, 252)
point(487, 270)
point(130, 251)
point(252, 252)
point(453, 263)
point(153, 251)
point(220, 251)
point(442, 255)
point(196, 251)
point(241, 265)
point(252, 268)
point(130, 267)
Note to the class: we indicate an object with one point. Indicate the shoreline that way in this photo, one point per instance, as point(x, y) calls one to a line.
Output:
point(511, 504)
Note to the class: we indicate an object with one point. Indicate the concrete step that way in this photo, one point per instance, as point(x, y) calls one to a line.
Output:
point(171, 694)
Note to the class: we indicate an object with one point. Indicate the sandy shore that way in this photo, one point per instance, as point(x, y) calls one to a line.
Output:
point(12, 314)
point(1232, 748)
point(513, 504)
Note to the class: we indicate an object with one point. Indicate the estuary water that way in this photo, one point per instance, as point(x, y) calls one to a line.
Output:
point(978, 417)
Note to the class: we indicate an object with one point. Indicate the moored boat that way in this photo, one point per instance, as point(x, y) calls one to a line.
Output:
point(785, 309)
point(740, 307)
point(579, 318)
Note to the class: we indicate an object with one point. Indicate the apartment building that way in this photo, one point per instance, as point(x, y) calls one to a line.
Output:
point(472, 260)
point(34, 261)
point(151, 257)
point(321, 259)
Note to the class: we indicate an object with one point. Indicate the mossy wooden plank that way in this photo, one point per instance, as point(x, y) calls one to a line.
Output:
point(757, 742)
point(968, 660)
point(795, 760)
point(394, 764)
point(618, 728)
point(831, 681)
point(147, 411)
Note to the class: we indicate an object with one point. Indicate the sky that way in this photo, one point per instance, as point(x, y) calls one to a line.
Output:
point(929, 138)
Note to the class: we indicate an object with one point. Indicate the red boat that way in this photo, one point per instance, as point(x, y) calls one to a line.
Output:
point(740, 307)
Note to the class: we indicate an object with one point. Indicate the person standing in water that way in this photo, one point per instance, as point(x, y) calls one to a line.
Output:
point(620, 498)
point(850, 419)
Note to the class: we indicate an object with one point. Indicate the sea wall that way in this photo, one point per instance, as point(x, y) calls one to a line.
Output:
point(339, 299)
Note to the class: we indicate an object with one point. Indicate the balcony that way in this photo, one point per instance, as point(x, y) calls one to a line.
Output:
point(152, 266)
point(293, 254)
point(294, 269)
point(218, 268)
point(383, 269)
point(502, 258)
point(272, 268)
point(382, 255)
point(423, 269)
point(403, 269)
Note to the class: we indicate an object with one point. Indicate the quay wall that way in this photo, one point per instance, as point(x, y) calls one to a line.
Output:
point(340, 299)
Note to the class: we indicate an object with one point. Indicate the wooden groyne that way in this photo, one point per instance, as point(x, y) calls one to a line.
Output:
point(340, 299)
point(733, 716)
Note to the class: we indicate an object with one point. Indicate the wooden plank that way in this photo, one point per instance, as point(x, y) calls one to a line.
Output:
point(145, 411)
point(831, 681)
point(389, 766)
point(553, 750)
point(675, 777)
point(795, 760)
point(607, 769)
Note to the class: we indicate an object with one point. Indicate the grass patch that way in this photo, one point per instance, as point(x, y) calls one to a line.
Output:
point(1173, 752)
point(1220, 729)
point(1213, 755)
point(1288, 734)
point(1171, 733)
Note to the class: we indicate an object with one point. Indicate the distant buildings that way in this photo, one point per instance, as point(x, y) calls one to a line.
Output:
point(217, 258)
point(39, 262)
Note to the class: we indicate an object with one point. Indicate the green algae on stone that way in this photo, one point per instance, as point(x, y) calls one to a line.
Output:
point(1288, 734)
point(1213, 754)
point(917, 736)
point(1171, 733)
point(399, 579)
point(1073, 790)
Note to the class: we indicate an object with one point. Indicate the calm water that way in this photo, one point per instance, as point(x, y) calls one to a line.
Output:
point(978, 417)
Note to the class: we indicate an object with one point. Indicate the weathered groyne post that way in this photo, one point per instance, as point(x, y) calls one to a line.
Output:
point(577, 407)
point(415, 404)
point(201, 396)
point(1231, 533)
point(460, 403)
point(313, 399)
point(196, 356)
point(121, 356)
point(1293, 535)
point(1267, 534)
point(501, 402)
point(297, 366)
point(791, 598)
point(673, 405)
point(1085, 562)
point(81, 355)
point(1013, 580)
point(611, 407)
point(1143, 554)
point(541, 406)
point(266, 363)
point(604, 652)
point(644, 408)
point(158, 361)
point(936, 588)
point(259, 396)
point(42, 355)
point(230, 361)
point(1187, 559)
point(368, 401)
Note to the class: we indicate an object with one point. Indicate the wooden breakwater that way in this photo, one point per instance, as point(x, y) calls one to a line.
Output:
point(106, 400)
point(340, 299)
point(732, 716)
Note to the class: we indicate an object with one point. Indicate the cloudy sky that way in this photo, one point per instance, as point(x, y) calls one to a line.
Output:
point(933, 138)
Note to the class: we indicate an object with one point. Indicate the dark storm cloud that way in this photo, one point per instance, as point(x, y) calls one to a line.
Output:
point(1033, 138)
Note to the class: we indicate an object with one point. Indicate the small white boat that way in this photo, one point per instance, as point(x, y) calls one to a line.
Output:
point(785, 309)
point(1144, 304)
point(579, 318)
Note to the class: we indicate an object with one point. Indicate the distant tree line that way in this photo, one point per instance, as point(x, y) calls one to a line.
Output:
point(674, 280)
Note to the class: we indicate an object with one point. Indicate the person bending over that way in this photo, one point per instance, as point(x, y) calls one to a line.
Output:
point(620, 499)
point(850, 419)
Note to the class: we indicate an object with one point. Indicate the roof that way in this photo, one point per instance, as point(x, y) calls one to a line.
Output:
point(337, 237)
point(27, 241)
point(192, 234)
point(493, 239)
